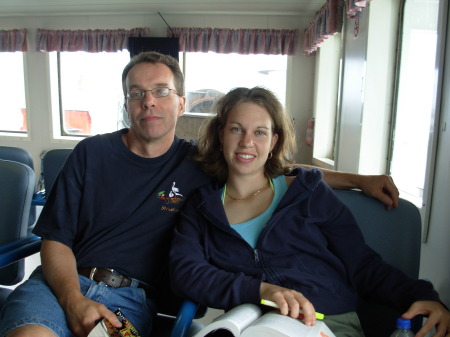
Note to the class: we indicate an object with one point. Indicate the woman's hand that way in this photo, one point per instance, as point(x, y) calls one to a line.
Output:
point(291, 302)
point(438, 317)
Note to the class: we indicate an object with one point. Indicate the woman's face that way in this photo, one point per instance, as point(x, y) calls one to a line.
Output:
point(247, 139)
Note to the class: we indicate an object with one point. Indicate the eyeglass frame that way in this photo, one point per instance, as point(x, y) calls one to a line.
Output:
point(142, 93)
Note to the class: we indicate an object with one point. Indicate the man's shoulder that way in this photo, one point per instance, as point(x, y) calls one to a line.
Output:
point(99, 141)
point(187, 148)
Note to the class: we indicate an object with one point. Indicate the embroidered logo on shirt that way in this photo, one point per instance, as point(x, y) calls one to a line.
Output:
point(173, 197)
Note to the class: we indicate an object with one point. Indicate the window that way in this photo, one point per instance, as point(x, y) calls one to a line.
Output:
point(326, 100)
point(211, 75)
point(13, 114)
point(90, 97)
point(415, 105)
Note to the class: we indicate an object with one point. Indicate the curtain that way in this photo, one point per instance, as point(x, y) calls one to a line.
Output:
point(327, 22)
point(355, 7)
point(93, 41)
point(13, 40)
point(241, 41)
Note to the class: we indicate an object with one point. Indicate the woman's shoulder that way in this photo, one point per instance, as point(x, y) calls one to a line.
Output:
point(309, 178)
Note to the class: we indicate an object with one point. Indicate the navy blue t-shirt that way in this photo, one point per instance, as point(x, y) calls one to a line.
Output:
point(116, 209)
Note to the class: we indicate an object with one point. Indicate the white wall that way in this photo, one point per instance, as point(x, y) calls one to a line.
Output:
point(300, 79)
point(435, 254)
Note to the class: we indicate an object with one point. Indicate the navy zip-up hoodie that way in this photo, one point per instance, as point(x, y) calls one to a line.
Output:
point(311, 244)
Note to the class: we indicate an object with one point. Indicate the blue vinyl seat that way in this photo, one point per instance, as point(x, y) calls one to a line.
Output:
point(52, 162)
point(22, 156)
point(17, 185)
point(396, 236)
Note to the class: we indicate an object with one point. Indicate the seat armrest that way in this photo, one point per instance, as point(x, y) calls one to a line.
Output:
point(184, 319)
point(19, 249)
point(38, 199)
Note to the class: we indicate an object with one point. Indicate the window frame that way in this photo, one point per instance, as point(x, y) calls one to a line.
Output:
point(21, 133)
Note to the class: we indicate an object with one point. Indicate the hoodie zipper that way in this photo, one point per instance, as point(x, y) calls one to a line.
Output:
point(256, 254)
point(234, 233)
point(282, 211)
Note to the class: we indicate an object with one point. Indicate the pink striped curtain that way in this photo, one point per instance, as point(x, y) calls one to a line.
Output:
point(355, 7)
point(93, 41)
point(328, 21)
point(241, 41)
point(13, 40)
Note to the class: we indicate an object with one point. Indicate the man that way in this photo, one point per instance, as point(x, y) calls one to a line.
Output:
point(107, 224)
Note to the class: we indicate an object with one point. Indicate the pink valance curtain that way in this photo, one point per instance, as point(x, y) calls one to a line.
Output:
point(328, 21)
point(93, 41)
point(241, 41)
point(355, 7)
point(13, 40)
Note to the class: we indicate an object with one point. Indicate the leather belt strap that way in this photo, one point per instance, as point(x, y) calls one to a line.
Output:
point(111, 279)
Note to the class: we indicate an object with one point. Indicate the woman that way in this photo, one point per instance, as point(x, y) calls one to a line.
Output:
point(268, 232)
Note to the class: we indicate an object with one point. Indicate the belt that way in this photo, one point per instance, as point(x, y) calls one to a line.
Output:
point(112, 279)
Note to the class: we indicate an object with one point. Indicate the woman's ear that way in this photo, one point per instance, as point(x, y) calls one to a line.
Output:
point(274, 141)
point(221, 137)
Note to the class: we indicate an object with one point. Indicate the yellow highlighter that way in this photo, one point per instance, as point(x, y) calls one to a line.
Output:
point(274, 305)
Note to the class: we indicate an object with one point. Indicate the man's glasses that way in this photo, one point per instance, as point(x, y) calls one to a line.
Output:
point(139, 94)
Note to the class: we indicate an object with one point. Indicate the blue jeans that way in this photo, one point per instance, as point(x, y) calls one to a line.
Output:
point(33, 302)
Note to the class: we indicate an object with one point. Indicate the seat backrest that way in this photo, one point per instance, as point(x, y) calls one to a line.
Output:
point(16, 154)
point(22, 156)
point(52, 162)
point(396, 236)
point(17, 183)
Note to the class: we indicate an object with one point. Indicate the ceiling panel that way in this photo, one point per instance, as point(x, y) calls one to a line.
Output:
point(248, 7)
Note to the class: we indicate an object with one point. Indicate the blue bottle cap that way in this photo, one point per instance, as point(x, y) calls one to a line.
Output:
point(403, 323)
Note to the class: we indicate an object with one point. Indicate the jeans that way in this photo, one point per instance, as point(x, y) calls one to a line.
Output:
point(33, 302)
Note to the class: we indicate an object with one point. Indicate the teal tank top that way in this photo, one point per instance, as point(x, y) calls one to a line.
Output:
point(251, 229)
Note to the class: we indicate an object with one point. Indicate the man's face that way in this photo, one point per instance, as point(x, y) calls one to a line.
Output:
point(153, 119)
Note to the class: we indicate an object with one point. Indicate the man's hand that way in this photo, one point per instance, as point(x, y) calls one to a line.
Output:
point(82, 315)
point(59, 266)
point(380, 187)
point(438, 317)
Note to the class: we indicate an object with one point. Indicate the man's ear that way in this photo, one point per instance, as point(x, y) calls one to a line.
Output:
point(182, 106)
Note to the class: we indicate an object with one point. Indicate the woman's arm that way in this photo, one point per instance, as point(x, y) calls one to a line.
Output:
point(380, 187)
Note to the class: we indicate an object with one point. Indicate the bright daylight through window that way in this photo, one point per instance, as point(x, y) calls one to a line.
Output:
point(91, 98)
point(13, 114)
point(210, 75)
point(415, 105)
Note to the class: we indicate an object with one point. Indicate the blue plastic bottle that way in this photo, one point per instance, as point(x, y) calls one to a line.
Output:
point(403, 328)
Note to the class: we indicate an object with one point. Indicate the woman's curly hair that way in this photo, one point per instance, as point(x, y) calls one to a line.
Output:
point(210, 155)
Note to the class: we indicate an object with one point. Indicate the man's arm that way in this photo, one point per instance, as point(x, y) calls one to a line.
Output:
point(380, 187)
point(59, 266)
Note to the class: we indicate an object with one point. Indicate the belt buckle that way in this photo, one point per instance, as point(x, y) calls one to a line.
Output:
point(94, 270)
point(92, 273)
